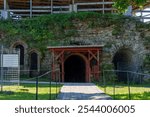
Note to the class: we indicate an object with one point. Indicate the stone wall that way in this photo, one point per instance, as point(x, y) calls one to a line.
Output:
point(127, 37)
point(130, 38)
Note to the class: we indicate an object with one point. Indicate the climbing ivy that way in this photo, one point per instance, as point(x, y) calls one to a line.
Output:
point(56, 29)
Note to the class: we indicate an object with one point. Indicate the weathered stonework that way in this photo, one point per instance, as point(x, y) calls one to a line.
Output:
point(129, 38)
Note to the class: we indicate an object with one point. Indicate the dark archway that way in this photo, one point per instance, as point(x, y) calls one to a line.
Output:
point(75, 69)
point(33, 64)
point(124, 60)
point(21, 49)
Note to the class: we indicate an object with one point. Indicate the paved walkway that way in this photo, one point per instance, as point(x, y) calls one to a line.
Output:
point(82, 91)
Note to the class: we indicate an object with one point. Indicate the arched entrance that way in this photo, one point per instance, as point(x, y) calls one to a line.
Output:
point(21, 49)
point(33, 64)
point(124, 60)
point(75, 69)
point(76, 63)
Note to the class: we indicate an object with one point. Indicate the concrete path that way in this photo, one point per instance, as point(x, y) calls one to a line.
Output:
point(82, 91)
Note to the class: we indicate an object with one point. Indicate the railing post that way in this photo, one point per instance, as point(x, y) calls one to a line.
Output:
point(51, 6)
point(75, 8)
point(4, 12)
point(70, 8)
point(5, 5)
point(50, 91)
point(104, 81)
point(56, 81)
point(114, 90)
point(103, 6)
point(129, 95)
point(30, 8)
point(1, 68)
point(37, 82)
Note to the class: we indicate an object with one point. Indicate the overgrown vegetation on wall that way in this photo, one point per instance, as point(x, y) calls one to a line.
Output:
point(57, 29)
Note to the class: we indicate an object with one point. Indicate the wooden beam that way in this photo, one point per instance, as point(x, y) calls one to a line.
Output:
point(60, 54)
point(93, 55)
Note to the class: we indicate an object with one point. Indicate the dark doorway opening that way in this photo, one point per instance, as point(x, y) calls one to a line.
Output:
point(75, 69)
point(124, 61)
point(21, 49)
point(33, 64)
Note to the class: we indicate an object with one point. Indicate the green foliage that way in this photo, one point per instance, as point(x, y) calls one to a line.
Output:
point(122, 5)
point(56, 29)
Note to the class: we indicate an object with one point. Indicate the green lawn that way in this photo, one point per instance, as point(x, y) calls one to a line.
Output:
point(138, 92)
point(27, 78)
point(27, 92)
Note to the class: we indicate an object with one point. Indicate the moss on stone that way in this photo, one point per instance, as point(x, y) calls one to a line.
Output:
point(57, 29)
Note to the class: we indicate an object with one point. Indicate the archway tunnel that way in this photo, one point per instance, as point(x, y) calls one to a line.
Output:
point(124, 60)
point(75, 69)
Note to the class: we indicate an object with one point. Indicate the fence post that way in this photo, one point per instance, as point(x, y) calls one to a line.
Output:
point(30, 8)
point(114, 90)
point(51, 6)
point(37, 78)
point(2, 68)
point(104, 81)
point(56, 82)
point(50, 97)
point(129, 95)
point(75, 8)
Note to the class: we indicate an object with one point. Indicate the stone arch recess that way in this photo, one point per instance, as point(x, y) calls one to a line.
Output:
point(24, 53)
point(34, 51)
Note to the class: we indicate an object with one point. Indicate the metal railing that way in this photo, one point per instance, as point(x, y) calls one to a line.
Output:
point(32, 83)
point(116, 82)
point(36, 8)
point(143, 15)
point(0, 15)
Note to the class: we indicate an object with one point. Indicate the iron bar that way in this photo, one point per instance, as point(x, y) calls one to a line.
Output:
point(114, 90)
point(129, 92)
point(104, 81)
point(2, 68)
point(37, 78)
point(50, 91)
point(56, 82)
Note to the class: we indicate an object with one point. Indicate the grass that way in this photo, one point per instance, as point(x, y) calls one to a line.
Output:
point(27, 92)
point(138, 92)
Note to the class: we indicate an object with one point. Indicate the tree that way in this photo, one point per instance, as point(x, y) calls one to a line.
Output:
point(122, 5)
